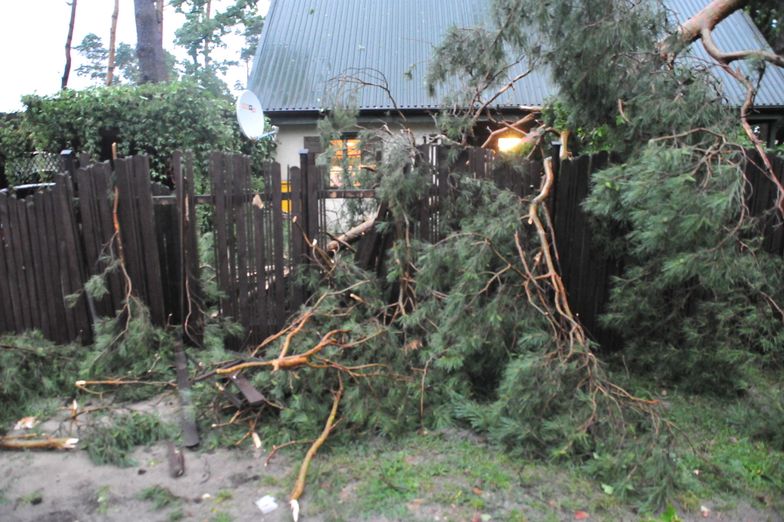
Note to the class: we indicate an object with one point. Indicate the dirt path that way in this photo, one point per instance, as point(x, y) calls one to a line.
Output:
point(66, 487)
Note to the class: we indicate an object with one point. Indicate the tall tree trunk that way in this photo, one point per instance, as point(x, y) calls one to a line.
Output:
point(149, 42)
point(112, 43)
point(68, 41)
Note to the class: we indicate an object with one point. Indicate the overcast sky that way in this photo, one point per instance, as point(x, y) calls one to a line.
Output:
point(32, 42)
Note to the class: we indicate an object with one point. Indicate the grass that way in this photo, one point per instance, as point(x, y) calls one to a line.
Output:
point(722, 457)
point(449, 475)
point(34, 498)
point(102, 497)
point(454, 475)
point(113, 440)
point(160, 497)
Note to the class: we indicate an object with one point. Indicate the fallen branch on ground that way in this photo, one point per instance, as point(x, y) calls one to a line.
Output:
point(299, 486)
point(288, 362)
point(27, 442)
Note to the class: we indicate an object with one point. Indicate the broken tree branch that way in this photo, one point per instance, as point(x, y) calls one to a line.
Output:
point(528, 118)
point(290, 361)
point(353, 233)
point(26, 442)
point(299, 485)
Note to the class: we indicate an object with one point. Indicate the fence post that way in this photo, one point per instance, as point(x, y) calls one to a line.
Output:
point(304, 177)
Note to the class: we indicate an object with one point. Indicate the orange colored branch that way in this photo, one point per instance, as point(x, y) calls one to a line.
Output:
point(290, 361)
point(299, 486)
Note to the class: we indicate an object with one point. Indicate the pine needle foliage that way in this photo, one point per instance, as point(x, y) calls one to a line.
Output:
point(116, 436)
point(449, 337)
point(32, 369)
point(697, 304)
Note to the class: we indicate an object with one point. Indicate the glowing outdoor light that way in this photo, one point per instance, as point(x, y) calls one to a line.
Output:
point(509, 143)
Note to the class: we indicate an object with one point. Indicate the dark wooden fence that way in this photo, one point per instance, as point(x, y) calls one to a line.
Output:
point(52, 242)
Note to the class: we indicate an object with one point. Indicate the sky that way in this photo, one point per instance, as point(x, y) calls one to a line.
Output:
point(32, 43)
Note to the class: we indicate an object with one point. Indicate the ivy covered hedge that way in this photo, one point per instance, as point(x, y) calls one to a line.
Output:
point(156, 119)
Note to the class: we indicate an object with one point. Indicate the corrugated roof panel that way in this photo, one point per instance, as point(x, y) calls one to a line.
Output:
point(307, 46)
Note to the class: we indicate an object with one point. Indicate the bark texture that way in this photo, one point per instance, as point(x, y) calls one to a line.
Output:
point(112, 43)
point(68, 40)
point(149, 42)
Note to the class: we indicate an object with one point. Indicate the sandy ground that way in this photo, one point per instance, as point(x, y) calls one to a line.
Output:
point(70, 486)
point(65, 486)
point(217, 486)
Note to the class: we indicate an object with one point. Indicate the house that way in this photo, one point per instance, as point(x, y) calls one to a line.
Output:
point(313, 50)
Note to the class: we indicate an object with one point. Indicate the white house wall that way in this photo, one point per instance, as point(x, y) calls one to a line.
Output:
point(291, 139)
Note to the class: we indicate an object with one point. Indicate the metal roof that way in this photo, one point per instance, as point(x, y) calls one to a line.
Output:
point(307, 45)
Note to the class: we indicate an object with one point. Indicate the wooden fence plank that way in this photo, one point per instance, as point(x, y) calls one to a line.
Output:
point(102, 196)
point(189, 292)
point(241, 189)
point(166, 231)
point(72, 263)
point(277, 222)
point(145, 221)
point(56, 246)
point(194, 298)
point(42, 275)
point(6, 311)
point(127, 218)
point(297, 240)
point(221, 243)
point(262, 256)
point(312, 186)
point(11, 262)
point(22, 275)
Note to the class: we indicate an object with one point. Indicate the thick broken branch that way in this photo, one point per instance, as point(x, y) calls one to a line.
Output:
point(290, 361)
point(528, 118)
point(27, 442)
point(700, 27)
point(299, 486)
point(353, 233)
point(691, 30)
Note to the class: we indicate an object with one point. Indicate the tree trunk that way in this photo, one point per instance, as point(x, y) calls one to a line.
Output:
point(159, 8)
point(68, 41)
point(149, 42)
point(112, 43)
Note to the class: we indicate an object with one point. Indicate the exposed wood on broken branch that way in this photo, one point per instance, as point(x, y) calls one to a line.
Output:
point(28, 442)
point(299, 485)
point(353, 233)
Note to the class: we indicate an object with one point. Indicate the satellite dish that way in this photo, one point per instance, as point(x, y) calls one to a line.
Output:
point(251, 117)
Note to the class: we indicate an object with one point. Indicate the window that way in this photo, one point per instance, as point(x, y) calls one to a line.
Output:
point(346, 162)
